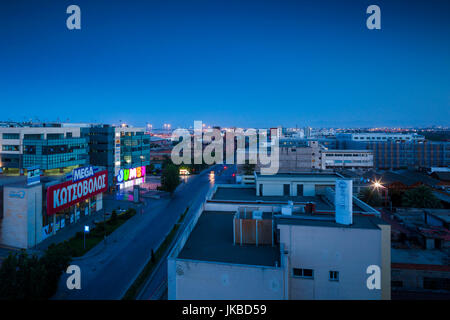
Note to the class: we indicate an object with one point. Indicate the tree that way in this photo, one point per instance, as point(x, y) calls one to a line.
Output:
point(26, 277)
point(150, 168)
point(370, 196)
point(170, 178)
point(55, 260)
point(396, 197)
point(166, 162)
point(420, 197)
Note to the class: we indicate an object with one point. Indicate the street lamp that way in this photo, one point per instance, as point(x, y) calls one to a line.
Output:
point(86, 230)
point(377, 185)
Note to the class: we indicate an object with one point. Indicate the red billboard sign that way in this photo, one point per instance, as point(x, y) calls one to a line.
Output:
point(68, 193)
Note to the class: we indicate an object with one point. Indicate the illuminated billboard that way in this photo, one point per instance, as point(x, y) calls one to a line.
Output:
point(68, 193)
point(130, 174)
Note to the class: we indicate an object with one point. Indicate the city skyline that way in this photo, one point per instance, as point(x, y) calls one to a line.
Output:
point(263, 65)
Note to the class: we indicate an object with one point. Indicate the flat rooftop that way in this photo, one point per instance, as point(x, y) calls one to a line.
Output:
point(21, 181)
point(328, 221)
point(212, 240)
point(249, 194)
point(418, 256)
point(302, 175)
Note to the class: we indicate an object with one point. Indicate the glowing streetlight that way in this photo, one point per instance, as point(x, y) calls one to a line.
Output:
point(377, 185)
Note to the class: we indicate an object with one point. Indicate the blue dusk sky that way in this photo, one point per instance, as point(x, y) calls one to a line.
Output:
point(227, 63)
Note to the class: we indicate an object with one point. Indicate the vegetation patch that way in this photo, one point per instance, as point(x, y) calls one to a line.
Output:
point(27, 277)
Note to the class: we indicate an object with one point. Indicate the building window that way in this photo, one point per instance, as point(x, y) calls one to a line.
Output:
point(10, 148)
point(303, 273)
point(333, 276)
point(300, 190)
point(11, 136)
point(286, 189)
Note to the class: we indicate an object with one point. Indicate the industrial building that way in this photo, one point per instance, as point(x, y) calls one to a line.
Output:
point(347, 159)
point(244, 244)
point(300, 155)
point(398, 151)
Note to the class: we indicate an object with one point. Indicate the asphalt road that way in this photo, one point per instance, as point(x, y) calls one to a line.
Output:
point(109, 271)
point(156, 287)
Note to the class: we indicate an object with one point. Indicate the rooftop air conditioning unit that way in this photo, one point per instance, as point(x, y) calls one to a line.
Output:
point(286, 210)
point(257, 215)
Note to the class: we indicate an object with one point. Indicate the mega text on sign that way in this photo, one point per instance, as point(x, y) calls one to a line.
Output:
point(82, 173)
point(68, 193)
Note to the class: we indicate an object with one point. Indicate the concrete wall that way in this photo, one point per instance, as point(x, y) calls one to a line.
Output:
point(346, 250)
point(198, 280)
point(273, 185)
point(272, 189)
point(309, 188)
point(385, 261)
point(21, 226)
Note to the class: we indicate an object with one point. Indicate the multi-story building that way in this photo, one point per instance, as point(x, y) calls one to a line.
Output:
point(398, 151)
point(307, 132)
point(279, 244)
point(380, 136)
point(347, 159)
point(47, 146)
point(298, 156)
point(117, 148)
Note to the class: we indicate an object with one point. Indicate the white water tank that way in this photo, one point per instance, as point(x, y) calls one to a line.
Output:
point(343, 201)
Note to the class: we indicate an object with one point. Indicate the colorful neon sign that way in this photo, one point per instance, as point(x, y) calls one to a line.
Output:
point(130, 174)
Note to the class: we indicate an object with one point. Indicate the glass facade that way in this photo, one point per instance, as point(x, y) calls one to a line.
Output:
point(402, 155)
point(54, 153)
point(134, 148)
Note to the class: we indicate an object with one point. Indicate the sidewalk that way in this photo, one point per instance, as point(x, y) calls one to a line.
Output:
point(94, 262)
point(69, 231)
